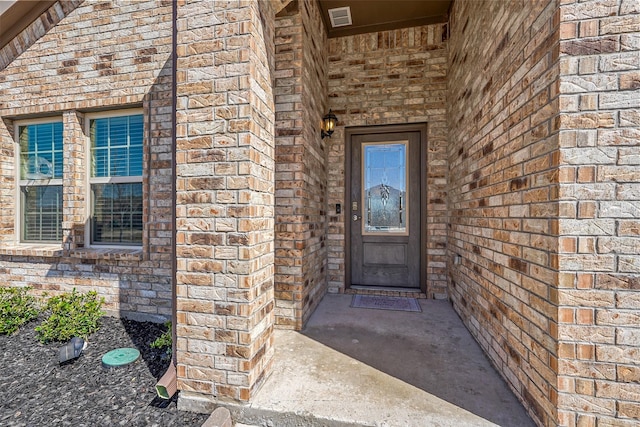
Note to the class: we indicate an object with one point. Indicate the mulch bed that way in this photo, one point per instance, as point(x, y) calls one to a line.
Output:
point(35, 390)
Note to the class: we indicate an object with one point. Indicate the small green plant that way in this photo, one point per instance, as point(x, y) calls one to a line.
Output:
point(17, 307)
point(164, 340)
point(71, 315)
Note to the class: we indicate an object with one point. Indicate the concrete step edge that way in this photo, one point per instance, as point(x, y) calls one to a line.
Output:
point(246, 414)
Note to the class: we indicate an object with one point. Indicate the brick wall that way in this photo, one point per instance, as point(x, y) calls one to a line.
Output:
point(503, 156)
point(225, 199)
point(390, 77)
point(38, 28)
point(82, 57)
point(301, 172)
point(599, 262)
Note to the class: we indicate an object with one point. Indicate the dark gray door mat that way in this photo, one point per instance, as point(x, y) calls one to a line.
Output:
point(385, 303)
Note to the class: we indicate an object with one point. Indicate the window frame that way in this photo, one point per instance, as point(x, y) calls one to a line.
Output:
point(19, 207)
point(89, 180)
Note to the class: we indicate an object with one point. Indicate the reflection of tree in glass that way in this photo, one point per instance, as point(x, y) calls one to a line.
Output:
point(43, 213)
point(385, 207)
point(116, 205)
point(118, 212)
point(117, 152)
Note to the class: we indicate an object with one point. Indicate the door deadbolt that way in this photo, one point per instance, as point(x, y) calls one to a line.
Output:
point(356, 217)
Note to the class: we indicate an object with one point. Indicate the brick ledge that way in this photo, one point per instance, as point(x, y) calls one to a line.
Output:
point(27, 249)
point(38, 250)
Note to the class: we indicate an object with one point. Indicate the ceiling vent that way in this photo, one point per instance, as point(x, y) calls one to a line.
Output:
point(340, 16)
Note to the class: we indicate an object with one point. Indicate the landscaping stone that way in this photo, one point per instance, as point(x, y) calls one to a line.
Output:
point(38, 391)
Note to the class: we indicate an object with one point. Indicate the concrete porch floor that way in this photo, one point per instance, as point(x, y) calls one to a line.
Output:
point(355, 366)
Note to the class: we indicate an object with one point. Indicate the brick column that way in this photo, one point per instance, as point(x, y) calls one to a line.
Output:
point(599, 226)
point(225, 199)
point(74, 174)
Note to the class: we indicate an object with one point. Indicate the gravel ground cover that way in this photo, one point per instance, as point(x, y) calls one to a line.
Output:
point(35, 390)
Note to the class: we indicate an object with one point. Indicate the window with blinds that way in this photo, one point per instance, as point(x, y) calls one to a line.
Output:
point(116, 180)
point(40, 181)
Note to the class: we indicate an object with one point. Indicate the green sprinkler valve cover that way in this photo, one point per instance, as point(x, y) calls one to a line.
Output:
point(120, 357)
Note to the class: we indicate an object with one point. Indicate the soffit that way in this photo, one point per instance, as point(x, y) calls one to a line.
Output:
point(380, 15)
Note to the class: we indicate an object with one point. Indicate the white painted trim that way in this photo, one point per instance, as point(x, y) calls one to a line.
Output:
point(88, 117)
point(37, 121)
point(110, 113)
point(17, 221)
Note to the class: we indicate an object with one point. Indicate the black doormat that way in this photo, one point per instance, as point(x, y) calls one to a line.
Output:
point(385, 303)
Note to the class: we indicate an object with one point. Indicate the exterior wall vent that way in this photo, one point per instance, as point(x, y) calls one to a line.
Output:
point(340, 16)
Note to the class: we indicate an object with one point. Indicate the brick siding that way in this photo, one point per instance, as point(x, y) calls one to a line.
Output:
point(599, 263)
point(502, 156)
point(81, 57)
point(545, 221)
point(301, 157)
point(533, 194)
point(38, 28)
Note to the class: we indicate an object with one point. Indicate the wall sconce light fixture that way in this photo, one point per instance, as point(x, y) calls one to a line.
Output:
point(328, 124)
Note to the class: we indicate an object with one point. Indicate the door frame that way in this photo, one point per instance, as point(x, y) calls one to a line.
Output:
point(382, 129)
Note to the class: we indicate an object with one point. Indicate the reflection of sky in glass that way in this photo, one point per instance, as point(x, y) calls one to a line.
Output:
point(385, 164)
point(385, 201)
point(117, 146)
point(41, 151)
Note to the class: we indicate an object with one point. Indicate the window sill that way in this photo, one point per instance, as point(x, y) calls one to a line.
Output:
point(56, 251)
point(32, 249)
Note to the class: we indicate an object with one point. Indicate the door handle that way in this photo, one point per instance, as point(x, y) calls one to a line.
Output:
point(356, 217)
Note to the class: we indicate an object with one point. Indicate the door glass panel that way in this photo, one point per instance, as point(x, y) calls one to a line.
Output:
point(385, 201)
